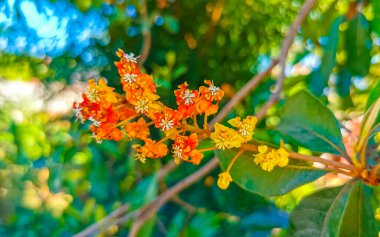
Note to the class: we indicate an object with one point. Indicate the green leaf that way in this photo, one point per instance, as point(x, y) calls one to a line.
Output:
point(148, 228)
point(376, 16)
point(318, 79)
point(311, 124)
point(374, 94)
point(176, 224)
point(171, 24)
point(328, 60)
point(145, 192)
point(342, 211)
point(251, 177)
point(343, 82)
point(359, 45)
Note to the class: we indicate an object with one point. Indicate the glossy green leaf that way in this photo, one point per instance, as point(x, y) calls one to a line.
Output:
point(376, 16)
point(312, 124)
point(251, 177)
point(343, 82)
point(373, 95)
point(144, 192)
point(328, 60)
point(342, 211)
point(318, 79)
point(358, 45)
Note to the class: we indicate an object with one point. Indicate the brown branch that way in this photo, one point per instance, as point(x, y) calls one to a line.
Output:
point(251, 85)
point(307, 6)
point(104, 223)
point(147, 35)
point(295, 155)
point(153, 207)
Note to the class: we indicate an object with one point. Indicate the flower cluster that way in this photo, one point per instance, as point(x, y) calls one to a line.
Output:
point(132, 113)
point(225, 137)
point(138, 110)
point(269, 159)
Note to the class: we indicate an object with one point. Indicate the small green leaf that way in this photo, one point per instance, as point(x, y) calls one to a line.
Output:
point(251, 177)
point(342, 211)
point(311, 124)
point(359, 45)
point(171, 24)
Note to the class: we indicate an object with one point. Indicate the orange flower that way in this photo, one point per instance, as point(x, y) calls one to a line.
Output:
point(100, 92)
point(211, 93)
point(106, 132)
point(184, 148)
point(127, 63)
point(138, 129)
point(186, 100)
point(208, 102)
point(151, 149)
point(167, 119)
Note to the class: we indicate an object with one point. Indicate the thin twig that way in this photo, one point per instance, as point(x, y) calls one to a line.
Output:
point(121, 211)
point(153, 207)
point(147, 35)
point(251, 85)
point(306, 8)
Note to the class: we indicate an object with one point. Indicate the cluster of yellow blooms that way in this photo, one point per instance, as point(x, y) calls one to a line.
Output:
point(269, 159)
point(135, 112)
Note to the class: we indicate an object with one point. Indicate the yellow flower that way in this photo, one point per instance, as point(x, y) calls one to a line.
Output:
point(224, 180)
point(283, 157)
point(271, 159)
point(100, 92)
point(245, 127)
point(225, 137)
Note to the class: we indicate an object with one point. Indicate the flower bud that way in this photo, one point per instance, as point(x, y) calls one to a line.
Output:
point(224, 180)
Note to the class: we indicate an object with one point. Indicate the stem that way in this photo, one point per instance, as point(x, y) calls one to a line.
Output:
point(316, 168)
point(169, 137)
point(294, 155)
point(191, 128)
point(150, 123)
point(126, 120)
point(195, 120)
point(375, 170)
point(234, 159)
point(208, 149)
point(205, 124)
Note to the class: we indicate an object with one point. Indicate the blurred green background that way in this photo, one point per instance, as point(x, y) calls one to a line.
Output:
point(55, 180)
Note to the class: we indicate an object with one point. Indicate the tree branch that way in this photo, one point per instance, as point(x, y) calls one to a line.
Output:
point(147, 35)
point(104, 223)
point(306, 8)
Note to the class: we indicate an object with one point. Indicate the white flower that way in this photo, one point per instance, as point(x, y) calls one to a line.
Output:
point(130, 58)
point(188, 97)
point(213, 89)
point(95, 122)
point(92, 95)
point(177, 151)
point(166, 124)
point(142, 106)
point(130, 78)
point(140, 157)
